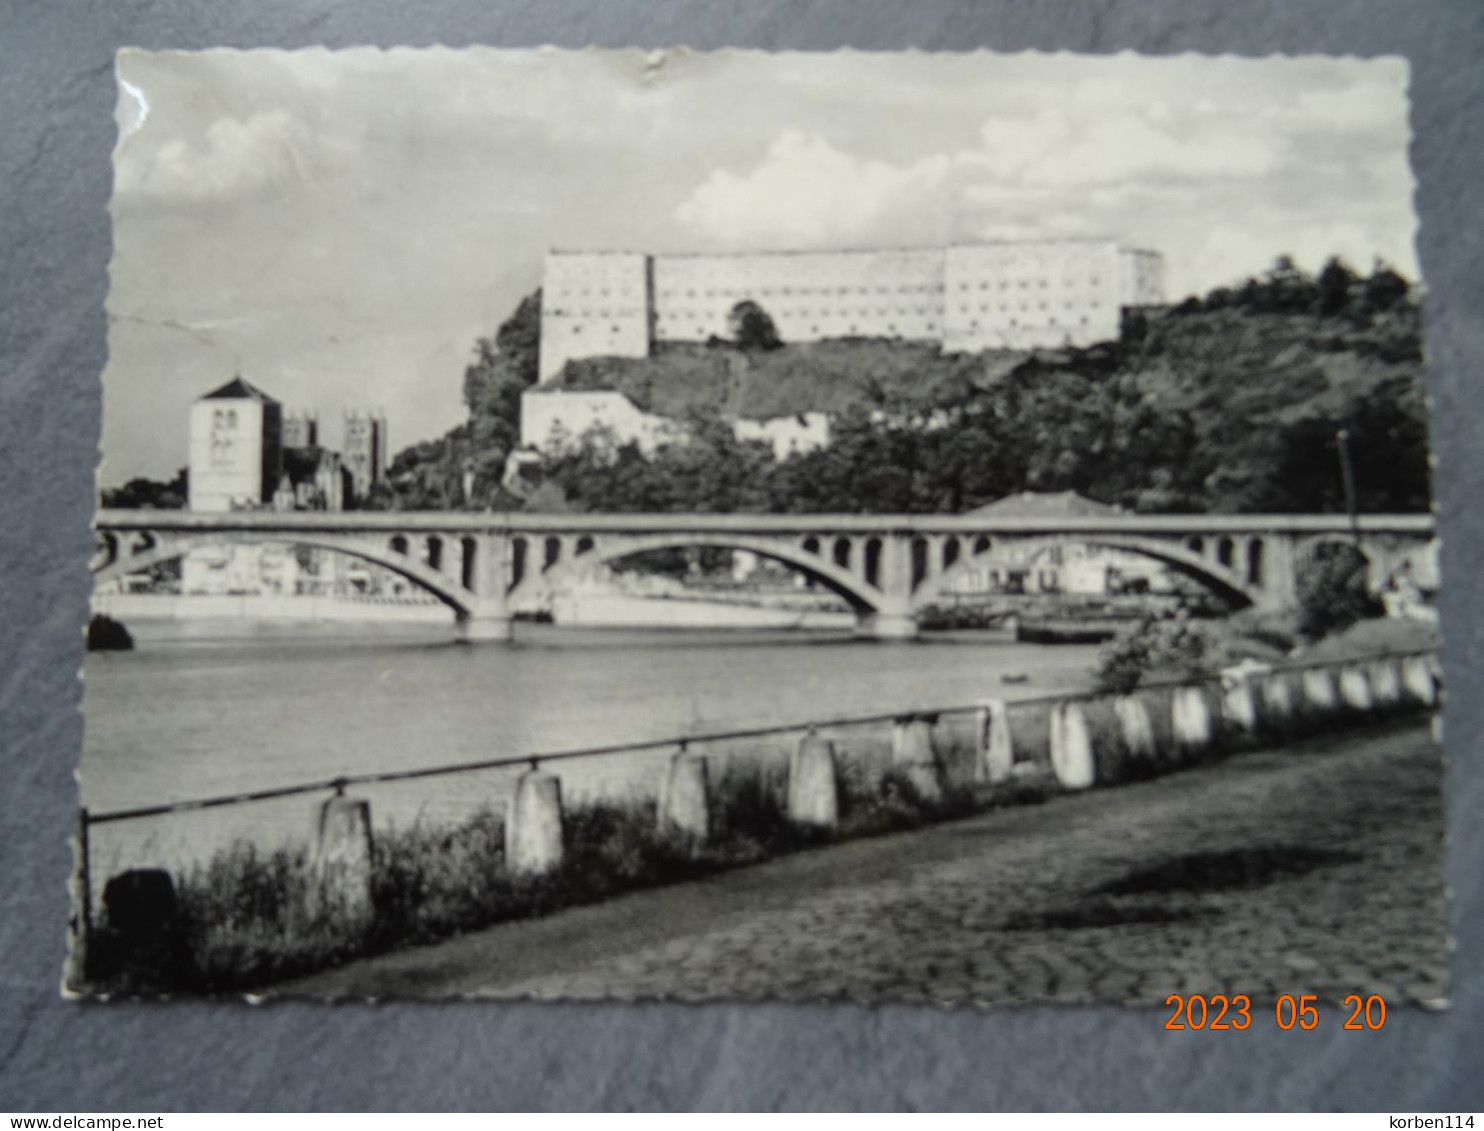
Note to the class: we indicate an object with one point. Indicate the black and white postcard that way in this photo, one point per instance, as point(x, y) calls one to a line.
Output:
point(885, 527)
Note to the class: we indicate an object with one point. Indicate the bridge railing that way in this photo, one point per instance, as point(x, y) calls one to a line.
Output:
point(868, 749)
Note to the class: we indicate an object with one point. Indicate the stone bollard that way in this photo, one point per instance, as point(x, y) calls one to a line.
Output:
point(1239, 705)
point(995, 759)
point(1386, 685)
point(1137, 726)
point(1277, 699)
point(1319, 691)
point(1071, 747)
point(1190, 719)
point(533, 824)
point(1417, 679)
point(1355, 689)
point(813, 783)
point(1435, 665)
point(341, 861)
point(140, 906)
point(912, 752)
point(684, 802)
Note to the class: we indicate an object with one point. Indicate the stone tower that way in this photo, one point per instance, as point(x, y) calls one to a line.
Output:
point(236, 451)
point(364, 452)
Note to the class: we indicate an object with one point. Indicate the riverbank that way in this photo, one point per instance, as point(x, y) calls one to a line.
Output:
point(1317, 867)
point(588, 609)
point(248, 919)
point(243, 920)
point(255, 706)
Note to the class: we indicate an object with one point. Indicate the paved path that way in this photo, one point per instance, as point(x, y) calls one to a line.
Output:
point(1009, 906)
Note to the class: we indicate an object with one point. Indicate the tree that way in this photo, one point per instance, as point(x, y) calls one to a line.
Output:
point(1385, 289)
point(752, 328)
point(518, 339)
point(431, 474)
point(1295, 468)
point(150, 494)
point(1335, 282)
point(1333, 592)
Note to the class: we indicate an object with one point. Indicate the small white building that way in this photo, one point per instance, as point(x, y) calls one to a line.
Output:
point(1063, 567)
point(787, 435)
point(553, 419)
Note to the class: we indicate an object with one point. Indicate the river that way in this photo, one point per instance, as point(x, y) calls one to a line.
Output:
point(198, 710)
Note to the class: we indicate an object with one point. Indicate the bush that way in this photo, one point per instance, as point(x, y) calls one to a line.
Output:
point(1151, 649)
point(108, 635)
point(1333, 591)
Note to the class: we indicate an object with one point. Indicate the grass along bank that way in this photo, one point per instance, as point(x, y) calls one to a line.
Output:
point(249, 917)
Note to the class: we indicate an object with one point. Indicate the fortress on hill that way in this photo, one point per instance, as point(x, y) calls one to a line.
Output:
point(967, 297)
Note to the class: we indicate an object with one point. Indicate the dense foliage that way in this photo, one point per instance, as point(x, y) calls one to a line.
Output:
point(108, 635)
point(1332, 590)
point(149, 494)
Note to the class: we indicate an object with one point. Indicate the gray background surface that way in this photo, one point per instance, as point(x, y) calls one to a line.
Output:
point(57, 98)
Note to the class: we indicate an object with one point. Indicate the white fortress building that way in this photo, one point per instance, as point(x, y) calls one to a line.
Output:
point(968, 297)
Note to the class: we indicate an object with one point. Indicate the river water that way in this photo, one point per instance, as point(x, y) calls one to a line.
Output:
point(198, 710)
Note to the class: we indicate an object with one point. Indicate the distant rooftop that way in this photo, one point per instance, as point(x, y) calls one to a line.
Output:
point(239, 390)
point(1046, 504)
point(883, 249)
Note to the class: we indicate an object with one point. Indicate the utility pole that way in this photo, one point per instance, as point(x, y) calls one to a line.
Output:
point(1347, 476)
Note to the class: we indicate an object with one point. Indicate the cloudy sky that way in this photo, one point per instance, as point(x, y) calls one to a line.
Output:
point(339, 228)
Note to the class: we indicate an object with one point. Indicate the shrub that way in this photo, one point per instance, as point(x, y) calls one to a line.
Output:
point(1333, 592)
point(1151, 648)
point(108, 635)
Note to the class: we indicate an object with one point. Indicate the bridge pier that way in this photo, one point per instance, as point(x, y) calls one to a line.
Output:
point(488, 621)
point(489, 628)
point(886, 626)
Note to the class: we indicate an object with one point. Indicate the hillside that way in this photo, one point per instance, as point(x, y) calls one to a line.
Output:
point(1228, 365)
point(1227, 403)
point(831, 376)
point(1222, 367)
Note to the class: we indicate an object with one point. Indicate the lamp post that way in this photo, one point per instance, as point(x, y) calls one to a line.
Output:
point(1347, 477)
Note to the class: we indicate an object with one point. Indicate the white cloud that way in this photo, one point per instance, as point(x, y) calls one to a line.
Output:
point(236, 157)
point(1221, 185)
point(1082, 145)
point(806, 192)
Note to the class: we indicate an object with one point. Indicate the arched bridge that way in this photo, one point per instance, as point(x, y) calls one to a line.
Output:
point(888, 567)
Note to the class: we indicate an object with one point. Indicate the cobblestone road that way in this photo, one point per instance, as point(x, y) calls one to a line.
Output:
point(1315, 869)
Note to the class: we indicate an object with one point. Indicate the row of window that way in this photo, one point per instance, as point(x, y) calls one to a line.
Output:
point(793, 314)
point(984, 307)
point(614, 329)
point(600, 312)
point(929, 326)
point(1052, 321)
point(1068, 282)
point(559, 293)
point(768, 291)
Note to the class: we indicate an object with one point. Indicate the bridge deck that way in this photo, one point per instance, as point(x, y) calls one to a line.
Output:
point(803, 524)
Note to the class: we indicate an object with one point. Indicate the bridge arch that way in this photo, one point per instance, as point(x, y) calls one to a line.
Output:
point(1229, 582)
point(820, 567)
point(168, 547)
